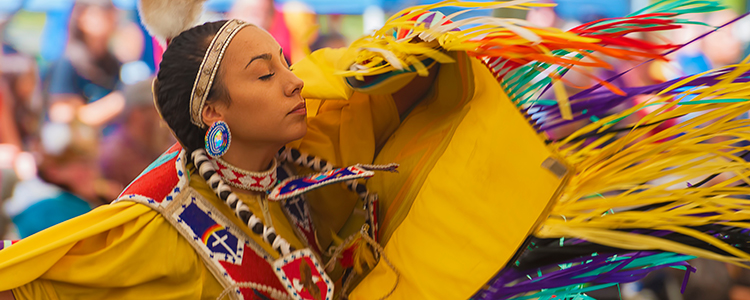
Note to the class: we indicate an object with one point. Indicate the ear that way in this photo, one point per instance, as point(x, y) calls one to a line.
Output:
point(212, 113)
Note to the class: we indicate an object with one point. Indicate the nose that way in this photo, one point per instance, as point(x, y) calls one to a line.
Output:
point(295, 85)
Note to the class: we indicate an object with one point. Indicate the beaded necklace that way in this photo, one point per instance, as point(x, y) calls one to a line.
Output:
point(205, 167)
point(247, 180)
point(241, 210)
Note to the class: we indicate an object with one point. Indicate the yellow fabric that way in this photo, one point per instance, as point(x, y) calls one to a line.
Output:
point(343, 131)
point(317, 72)
point(470, 189)
point(104, 266)
point(120, 251)
point(142, 257)
point(42, 290)
point(128, 251)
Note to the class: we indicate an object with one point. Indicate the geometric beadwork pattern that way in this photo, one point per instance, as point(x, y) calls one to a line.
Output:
point(219, 242)
point(303, 276)
point(295, 186)
point(160, 182)
point(227, 248)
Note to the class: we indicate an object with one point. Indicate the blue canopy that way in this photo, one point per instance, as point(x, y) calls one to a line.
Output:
point(320, 6)
point(569, 9)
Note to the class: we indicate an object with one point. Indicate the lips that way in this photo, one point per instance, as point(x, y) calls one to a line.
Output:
point(300, 108)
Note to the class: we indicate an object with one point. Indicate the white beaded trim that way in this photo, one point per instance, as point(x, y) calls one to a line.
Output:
point(274, 293)
point(271, 172)
point(224, 192)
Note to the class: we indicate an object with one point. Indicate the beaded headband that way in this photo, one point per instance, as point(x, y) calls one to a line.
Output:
point(210, 65)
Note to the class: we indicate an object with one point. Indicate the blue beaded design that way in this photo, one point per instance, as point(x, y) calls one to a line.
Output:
point(218, 139)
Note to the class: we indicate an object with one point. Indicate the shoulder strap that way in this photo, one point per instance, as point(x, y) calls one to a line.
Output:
point(235, 260)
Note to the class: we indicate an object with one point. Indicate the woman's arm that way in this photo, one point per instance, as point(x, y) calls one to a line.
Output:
point(415, 91)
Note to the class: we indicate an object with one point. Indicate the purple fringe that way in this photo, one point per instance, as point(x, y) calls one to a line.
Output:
point(599, 102)
point(511, 282)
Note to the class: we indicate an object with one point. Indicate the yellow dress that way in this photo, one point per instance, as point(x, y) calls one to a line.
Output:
point(476, 181)
point(438, 219)
point(128, 251)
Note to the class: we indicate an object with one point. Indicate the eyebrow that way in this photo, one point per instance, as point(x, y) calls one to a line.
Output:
point(266, 56)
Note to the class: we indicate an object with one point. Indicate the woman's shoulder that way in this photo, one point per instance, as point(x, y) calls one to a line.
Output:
point(108, 241)
point(161, 181)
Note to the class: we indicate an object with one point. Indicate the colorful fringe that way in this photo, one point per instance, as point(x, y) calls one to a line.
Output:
point(593, 105)
point(593, 102)
point(410, 36)
point(635, 198)
point(524, 85)
point(632, 188)
point(571, 279)
point(637, 191)
point(6, 243)
point(619, 171)
point(515, 50)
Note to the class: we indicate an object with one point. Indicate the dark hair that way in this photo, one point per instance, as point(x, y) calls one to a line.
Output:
point(174, 82)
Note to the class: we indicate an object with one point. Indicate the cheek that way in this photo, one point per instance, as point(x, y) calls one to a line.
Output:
point(259, 110)
point(259, 113)
point(269, 123)
point(254, 116)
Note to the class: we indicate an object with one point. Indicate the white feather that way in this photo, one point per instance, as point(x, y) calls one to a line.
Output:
point(165, 19)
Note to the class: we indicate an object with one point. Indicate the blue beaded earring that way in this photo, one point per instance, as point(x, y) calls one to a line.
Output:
point(218, 139)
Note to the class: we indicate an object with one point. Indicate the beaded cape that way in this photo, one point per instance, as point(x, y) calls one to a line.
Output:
point(231, 255)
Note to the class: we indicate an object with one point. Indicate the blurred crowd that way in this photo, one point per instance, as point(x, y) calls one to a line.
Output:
point(76, 128)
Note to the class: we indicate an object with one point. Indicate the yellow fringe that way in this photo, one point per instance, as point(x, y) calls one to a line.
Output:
point(639, 169)
point(381, 52)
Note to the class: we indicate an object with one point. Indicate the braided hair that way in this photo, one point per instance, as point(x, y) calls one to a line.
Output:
point(177, 72)
point(174, 82)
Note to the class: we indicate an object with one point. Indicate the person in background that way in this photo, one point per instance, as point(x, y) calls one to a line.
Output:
point(67, 184)
point(20, 111)
point(329, 40)
point(8, 130)
point(265, 15)
point(293, 24)
point(8, 179)
point(22, 98)
point(89, 70)
point(137, 139)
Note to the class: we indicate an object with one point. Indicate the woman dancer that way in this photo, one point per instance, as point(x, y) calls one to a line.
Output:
point(203, 221)
point(445, 234)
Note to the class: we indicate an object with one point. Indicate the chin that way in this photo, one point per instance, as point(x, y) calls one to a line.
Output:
point(300, 132)
point(293, 133)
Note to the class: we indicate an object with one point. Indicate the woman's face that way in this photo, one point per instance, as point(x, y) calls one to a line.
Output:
point(266, 106)
point(97, 21)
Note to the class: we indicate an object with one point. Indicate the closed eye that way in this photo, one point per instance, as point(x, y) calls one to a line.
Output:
point(267, 77)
